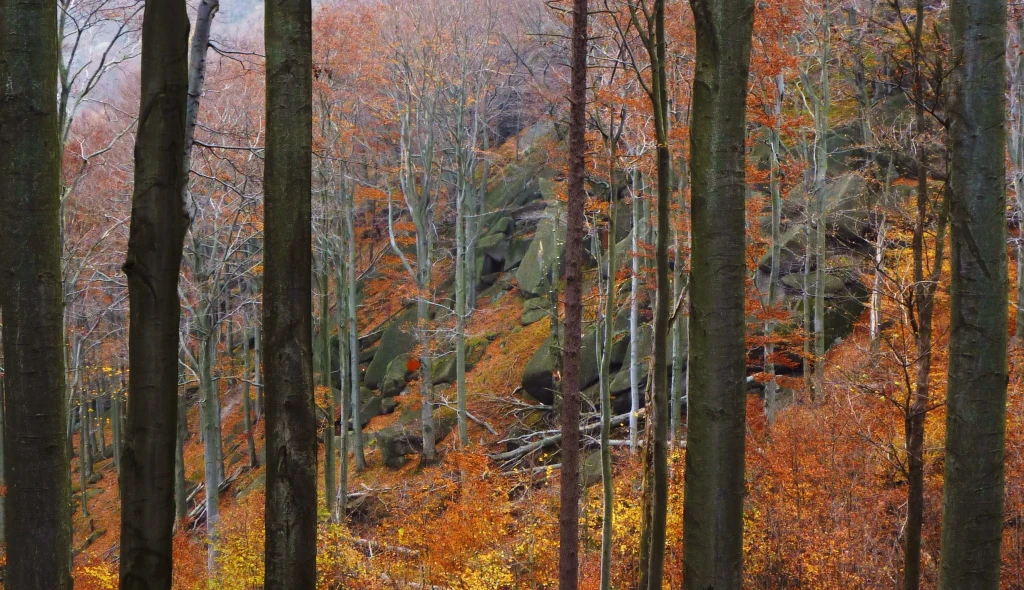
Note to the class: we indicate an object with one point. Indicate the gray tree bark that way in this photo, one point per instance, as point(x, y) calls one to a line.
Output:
point(713, 509)
point(158, 226)
point(976, 399)
point(290, 561)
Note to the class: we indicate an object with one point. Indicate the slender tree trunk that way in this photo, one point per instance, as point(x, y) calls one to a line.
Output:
point(180, 489)
point(211, 442)
point(607, 482)
point(771, 387)
point(115, 428)
point(976, 398)
point(924, 296)
point(83, 458)
point(713, 509)
point(198, 47)
point(287, 311)
point(875, 311)
point(353, 340)
point(257, 372)
point(679, 287)
point(330, 466)
point(159, 223)
point(423, 335)
point(344, 343)
point(659, 411)
point(460, 298)
point(1016, 149)
point(634, 318)
point(822, 106)
point(569, 501)
point(250, 441)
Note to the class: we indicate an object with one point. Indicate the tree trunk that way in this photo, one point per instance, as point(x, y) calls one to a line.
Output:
point(976, 396)
point(771, 387)
point(158, 226)
point(659, 411)
point(330, 466)
point(197, 76)
point(569, 501)
point(250, 442)
point(344, 381)
point(287, 311)
point(822, 106)
point(607, 482)
point(180, 489)
point(460, 296)
point(3, 478)
point(36, 440)
point(212, 450)
point(353, 340)
point(634, 316)
point(924, 296)
point(83, 458)
point(257, 373)
point(713, 509)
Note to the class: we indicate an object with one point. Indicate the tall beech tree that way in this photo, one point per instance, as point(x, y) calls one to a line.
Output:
point(569, 508)
point(976, 397)
point(714, 489)
point(649, 19)
point(287, 305)
point(37, 470)
point(158, 225)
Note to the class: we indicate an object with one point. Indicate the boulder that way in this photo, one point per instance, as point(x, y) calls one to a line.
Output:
point(590, 469)
point(397, 375)
point(399, 440)
point(833, 284)
point(793, 244)
point(446, 368)
point(399, 338)
point(547, 246)
point(537, 376)
point(621, 381)
point(516, 252)
point(534, 310)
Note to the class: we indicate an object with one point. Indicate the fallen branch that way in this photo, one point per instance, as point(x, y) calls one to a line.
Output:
point(482, 423)
point(552, 440)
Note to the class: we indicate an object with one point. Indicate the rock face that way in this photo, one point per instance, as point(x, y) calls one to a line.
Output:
point(399, 338)
point(547, 246)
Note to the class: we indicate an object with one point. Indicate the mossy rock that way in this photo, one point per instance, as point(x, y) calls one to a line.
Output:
point(399, 338)
point(793, 245)
point(260, 481)
point(367, 355)
point(446, 369)
point(534, 310)
point(537, 376)
point(505, 225)
point(620, 348)
point(396, 377)
point(517, 249)
point(398, 441)
point(545, 250)
point(590, 469)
